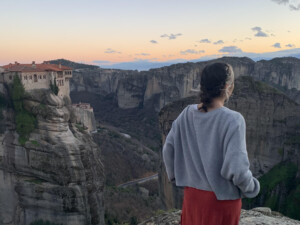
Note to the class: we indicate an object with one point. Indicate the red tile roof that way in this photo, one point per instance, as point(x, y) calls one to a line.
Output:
point(17, 67)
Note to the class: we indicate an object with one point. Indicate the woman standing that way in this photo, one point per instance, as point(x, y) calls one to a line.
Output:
point(205, 152)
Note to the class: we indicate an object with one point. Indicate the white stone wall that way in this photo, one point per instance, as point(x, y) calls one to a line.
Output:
point(37, 80)
point(41, 80)
point(63, 84)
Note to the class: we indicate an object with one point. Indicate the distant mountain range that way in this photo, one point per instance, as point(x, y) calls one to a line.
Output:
point(149, 64)
point(145, 64)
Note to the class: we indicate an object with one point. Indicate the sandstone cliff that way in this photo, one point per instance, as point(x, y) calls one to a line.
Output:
point(57, 175)
point(272, 122)
point(161, 86)
point(136, 97)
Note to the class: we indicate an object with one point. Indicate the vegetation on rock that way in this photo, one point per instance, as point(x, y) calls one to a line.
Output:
point(81, 128)
point(282, 176)
point(3, 104)
point(128, 205)
point(53, 87)
point(25, 121)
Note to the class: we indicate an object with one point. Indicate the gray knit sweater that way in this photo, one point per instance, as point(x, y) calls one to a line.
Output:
point(208, 151)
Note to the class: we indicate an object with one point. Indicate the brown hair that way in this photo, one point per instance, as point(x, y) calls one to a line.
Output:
point(213, 80)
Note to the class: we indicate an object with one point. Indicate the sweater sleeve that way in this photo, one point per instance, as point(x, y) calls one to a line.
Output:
point(168, 153)
point(236, 163)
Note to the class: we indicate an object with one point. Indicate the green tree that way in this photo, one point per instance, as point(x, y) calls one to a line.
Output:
point(25, 121)
point(18, 93)
point(54, 88)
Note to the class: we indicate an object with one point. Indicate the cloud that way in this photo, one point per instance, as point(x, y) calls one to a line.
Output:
point(294, 7)
point(247, 38)
point(219, 42)
point(281, 1)
point(111, 51)
point(153, 42)
point(259, 31)
point(276, 45)
point(204, 41)
point(290, 45)
point(191, 51)
point(171, 36)
point(142, 54)
point(231, 49)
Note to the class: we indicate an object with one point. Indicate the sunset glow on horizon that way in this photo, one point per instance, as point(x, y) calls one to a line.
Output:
point(105, 32)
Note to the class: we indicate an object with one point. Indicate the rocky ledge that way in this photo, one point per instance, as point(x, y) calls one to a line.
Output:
point(255, 216)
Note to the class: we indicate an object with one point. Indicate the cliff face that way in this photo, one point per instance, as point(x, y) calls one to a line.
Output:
point(284, 72)
point(57, 175)
point(158, 86)
point(272, 123)
point(161, 86)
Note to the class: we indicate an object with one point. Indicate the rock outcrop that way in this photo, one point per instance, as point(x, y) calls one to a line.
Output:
point(272, 123)
point(84, 116)
point(57, 175)
point(257, 216)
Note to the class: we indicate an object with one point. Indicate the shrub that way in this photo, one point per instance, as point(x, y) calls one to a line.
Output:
point(25, 125)
point(80, 127)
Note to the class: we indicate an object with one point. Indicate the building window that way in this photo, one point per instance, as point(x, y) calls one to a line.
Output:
point(44, 76)
point(30, 77)
point(25, 77)
point(10, 77)
point(40, 76)
point(35, 78)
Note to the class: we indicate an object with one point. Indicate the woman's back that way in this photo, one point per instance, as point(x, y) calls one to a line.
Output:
point(208, 152)
point(205, 152)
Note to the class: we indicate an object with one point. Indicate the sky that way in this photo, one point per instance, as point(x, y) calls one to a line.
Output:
point(119, 32)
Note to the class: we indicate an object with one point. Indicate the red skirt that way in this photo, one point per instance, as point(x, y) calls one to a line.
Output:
point(202, 208)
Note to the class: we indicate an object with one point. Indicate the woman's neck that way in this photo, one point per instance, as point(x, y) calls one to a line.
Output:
point(216, 103)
